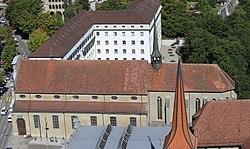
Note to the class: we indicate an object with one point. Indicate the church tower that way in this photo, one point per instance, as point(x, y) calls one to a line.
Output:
point(180, 136)
point(156, 57)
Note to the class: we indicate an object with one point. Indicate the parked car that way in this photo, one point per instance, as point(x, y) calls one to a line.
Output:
point(4, 111)
point(9, 118)
point(4, 21)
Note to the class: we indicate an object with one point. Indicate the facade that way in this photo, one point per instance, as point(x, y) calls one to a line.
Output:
point(223, 125)
point(108, 92)
point(54, 6)
point(106, 35)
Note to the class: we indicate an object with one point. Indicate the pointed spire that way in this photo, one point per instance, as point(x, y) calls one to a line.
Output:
point(180, 135)
point(156, 57)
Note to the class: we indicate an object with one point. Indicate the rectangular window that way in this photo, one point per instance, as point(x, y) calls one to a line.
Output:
point(106, 33)
point(116, 51)
point(99, 58)
point(141, 34)
point(133, 42)
point(142, 42)
point(124, 42)
point(116, 58)
point(106, 42)
point(113, 121)
point(123, 34)
point(107, 58)
point(55, 121)
point(133, 51)
point(133, 58)
point(133, 121)
point(97, 34)
point(124, 58)
point(37, 121)
point(98, 50)
point(115, 42)
point(115, 33)
point(124, 51)
point(142, 51)
point(107, 51)
point(73, 121)
point(98, 42)
point(142, 59)
point(132, 34)
point(93, 120)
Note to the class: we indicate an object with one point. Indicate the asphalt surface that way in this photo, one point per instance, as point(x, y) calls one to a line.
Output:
point(6, 127)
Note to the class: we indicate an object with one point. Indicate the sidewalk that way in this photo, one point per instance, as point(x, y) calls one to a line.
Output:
point(20, 142)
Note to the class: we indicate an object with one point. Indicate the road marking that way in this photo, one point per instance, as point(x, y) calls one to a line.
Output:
point(4, 127)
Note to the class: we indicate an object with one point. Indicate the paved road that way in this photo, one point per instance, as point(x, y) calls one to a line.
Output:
point(22, 48)
point(6, 127)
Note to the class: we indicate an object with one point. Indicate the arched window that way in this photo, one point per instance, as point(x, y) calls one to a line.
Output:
point(73, 121)
point(53, 6)
point(93, 120)
point(55, 121)
point(113, 121)
point(197, 104)
point(37, 121)
point(159, 107)
point(214, 99)
point(132, 121)
point(49, 6)
point(56, 6)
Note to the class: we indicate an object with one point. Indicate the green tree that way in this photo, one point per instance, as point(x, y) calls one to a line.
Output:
point(50, 24)
point(37, 38)
point(72, 8)
point(9, 50)
point(23, 13)
point(114, 5)
point(176, 21)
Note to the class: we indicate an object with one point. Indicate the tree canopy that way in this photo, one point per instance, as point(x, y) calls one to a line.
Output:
point(210, 39)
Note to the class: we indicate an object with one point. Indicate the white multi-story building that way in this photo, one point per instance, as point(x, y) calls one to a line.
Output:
point(107, 35)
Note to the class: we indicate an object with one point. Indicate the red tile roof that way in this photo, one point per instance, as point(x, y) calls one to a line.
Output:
point(223, 123)
point(116, 77)
point(82, 77)
point(140, 12)
point(82, 107)
point(197, 78)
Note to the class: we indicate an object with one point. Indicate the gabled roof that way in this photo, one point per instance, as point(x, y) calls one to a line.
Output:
point(116, 77)
point(197, 78)
point(139, 12)
point(223, 123)
point(82, 77)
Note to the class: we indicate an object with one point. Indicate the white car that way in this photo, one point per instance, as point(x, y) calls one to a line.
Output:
point(9, 118)
point(3, 21)
point(4, 111)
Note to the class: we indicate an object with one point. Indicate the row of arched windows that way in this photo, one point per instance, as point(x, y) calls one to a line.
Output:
point(160, 108)
point(56, 0)
point(55, 6)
